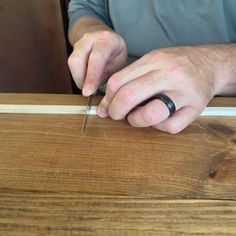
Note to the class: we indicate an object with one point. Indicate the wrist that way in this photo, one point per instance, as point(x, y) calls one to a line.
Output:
point(221, 59)
point(86, 25)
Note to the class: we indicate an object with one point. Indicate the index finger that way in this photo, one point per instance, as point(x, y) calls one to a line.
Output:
point(130, 73)
point(97, 62)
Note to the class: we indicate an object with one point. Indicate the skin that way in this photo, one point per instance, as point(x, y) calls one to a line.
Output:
point(190, 76)
point(98, 53)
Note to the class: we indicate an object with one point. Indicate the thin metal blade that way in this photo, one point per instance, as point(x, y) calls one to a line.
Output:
point(87, 112)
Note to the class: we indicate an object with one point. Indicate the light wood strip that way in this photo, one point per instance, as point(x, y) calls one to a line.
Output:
point(47, 109)
point(73, 109)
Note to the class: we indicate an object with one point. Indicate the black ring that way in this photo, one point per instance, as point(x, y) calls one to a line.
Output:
point(168, 102)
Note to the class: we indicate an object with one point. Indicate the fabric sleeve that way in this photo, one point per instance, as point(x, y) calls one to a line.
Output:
point(94, 8)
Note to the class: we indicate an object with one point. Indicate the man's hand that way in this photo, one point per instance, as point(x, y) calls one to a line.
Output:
point(190, 76)
point(96, 56)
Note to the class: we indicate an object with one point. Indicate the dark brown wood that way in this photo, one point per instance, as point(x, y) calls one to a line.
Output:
point(57, 214)
point(33, 56)
point(50, 153)
point(114, 179)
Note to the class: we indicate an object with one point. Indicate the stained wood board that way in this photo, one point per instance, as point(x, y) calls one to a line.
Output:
point(114, 179)
point(42, 213)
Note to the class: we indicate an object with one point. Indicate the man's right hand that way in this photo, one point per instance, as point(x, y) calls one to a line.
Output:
point(96, 56)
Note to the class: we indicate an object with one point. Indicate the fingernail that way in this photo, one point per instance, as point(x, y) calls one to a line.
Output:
point(102, 112)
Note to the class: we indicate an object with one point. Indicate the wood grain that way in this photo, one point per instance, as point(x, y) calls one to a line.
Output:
point(50, 153)
point(114, 179)
point(69, 99)
point(37, 213)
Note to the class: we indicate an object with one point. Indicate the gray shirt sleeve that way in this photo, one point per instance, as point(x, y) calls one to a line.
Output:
point(94, 8)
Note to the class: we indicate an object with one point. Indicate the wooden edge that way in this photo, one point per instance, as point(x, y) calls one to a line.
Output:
point(68, 99)
point(103, 215)
point(45, 99)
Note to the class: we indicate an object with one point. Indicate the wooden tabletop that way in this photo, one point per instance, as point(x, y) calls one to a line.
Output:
point(114, 179)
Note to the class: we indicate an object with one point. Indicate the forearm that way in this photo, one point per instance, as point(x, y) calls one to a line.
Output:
point(86, 25)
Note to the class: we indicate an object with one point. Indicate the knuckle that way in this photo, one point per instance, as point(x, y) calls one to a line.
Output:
point(127, 96)
point(150, 116)
point(86, 36)
point(153, 56)
point(72, 60)
point(101, 36)
point(112, 84)
point(106, 35)
point(193, 89)
point(97, 57)
point(199, 100)
point(149, 57)
point(174, 72)
point(91, 77)
point(105, 40)
point(184, 60)
point(110, 39)
point(101, 45)
point(173, 127)
point(114, 115)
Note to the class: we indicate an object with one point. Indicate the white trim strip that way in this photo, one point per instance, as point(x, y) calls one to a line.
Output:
point(219, 111)
point(74, 109)
point(46, 109)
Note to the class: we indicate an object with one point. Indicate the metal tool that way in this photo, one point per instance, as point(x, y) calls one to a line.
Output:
point(87, 112)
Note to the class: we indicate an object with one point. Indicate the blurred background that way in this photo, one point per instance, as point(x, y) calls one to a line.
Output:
point(34, 47)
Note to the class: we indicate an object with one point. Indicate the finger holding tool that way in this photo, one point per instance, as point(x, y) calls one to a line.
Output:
point(89, 105)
